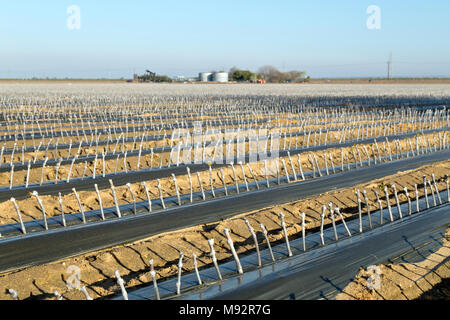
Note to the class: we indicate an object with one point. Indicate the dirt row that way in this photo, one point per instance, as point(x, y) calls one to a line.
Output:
point(277, 119)
point(148, 160)
point(288, 142)
point(97, 268)
point(404, 281)
point(30, 209)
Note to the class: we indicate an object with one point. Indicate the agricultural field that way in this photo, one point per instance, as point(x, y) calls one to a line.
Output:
point(223, 191)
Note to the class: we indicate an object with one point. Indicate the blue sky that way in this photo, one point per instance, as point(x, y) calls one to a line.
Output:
point(327, 38)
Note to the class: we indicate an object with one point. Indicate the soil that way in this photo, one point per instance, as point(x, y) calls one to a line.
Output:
point(440, 291)
point(97, 268)
point(30, 209)
point(425, 280)
point(147, 161)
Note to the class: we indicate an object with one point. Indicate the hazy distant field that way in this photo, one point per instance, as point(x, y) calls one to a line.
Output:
point(306, 90)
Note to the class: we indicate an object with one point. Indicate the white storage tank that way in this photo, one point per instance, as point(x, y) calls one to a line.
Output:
point(220, 77)
point(205, 76)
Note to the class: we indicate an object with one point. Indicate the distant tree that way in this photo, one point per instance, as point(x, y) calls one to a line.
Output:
point(237, 75)
point(232, 70)
point(269, 73)
point(293, 76)
point(255, 77)
point(272, 74)
point(244, 76)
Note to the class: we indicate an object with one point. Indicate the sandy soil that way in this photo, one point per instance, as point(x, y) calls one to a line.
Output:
point(440, 291)
point(131, 260)
point(276, 121)
point(427, 279)
point(31, 210)
point(289, 142)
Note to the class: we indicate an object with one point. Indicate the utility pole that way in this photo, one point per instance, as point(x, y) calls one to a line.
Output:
point(389, 66)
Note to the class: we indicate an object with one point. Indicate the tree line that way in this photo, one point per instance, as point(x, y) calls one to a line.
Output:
point(269, 74)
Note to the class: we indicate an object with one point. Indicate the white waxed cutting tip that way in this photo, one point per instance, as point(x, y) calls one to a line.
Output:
point(57, 295)
point(263, 228)
point(84, 290)
point(13, 293)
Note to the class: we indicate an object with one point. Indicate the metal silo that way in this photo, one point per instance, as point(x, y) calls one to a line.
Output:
point(220, 77)
point(204, 76)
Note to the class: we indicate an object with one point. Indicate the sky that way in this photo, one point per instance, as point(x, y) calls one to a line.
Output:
point(325, 38)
